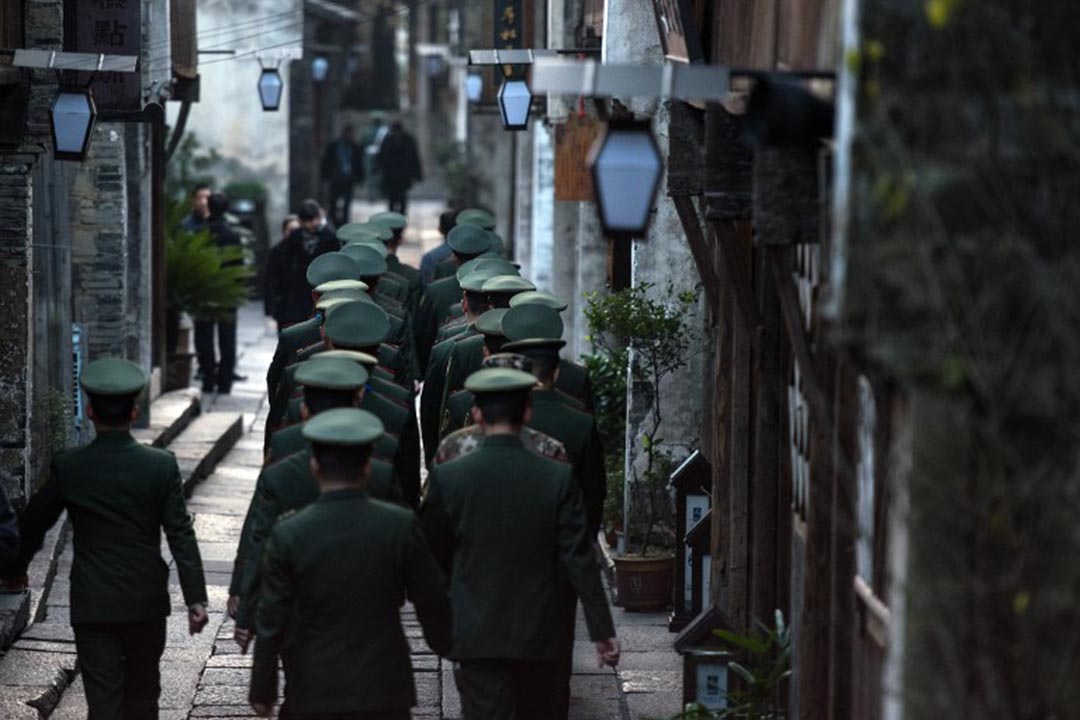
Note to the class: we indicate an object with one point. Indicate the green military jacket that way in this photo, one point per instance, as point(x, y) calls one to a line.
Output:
point(282, 487)
point(434, 305)
point(119, 495)
point(456, 412)
point(464, 441)
point(555, 415)
point(290, 340)
point(337, 624)
point(573, 379)
point(452, 328)
point(446, 268)
point(411, 276)
point(290, 439)
point(431, 398)
point(505, 524)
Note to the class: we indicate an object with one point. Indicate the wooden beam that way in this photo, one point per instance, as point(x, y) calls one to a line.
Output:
point(732, 237)
point(699, 248)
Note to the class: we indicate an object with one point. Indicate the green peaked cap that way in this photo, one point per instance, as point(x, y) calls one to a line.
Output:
point(332, 266)
point(356, 325)
point(532, 322)
point(112, 376)
point(539, 297)
point(392, 220)
point(496, 265)
point(469, 240)
point(336, 297)
point(343, 426)
point(354, 232)
point(342, 285)
point(474, 281)
point(498, 245)
point(368, 361)
point(490, 323)
point(370, 261)
point(513, 361)
point(331, 373)
point(490, 380)
point(476, 216)
point(507, 284)
point(359, 249)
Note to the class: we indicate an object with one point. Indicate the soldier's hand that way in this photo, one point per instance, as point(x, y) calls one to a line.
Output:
point(607, 652)
point(262, 709)
point(243, 637)
point(197, 618)
point(233, 605)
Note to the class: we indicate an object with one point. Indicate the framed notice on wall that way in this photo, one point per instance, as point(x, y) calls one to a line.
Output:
point(679, 33)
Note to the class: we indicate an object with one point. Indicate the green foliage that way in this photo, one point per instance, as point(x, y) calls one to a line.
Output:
point(190, 165)
point(462, 184)
point(201, 279)
point(645, 334)
point(247, 190)
point(755, 686)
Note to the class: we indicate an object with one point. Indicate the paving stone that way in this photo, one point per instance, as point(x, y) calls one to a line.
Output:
point(225, 676)
point(229, 661)
point(650, 681)
point(654, 705)
point(594, 697)
point(222, 695)
point(26, 667)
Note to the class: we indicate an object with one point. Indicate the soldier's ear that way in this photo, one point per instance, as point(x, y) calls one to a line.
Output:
point(135, 412)
point(304, 412)
point(477, 416)
point(526, 417)
point(313, 465)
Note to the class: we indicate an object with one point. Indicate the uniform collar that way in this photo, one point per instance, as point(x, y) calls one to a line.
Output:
point(114, 437)
point(501, 441)
point(346, 494)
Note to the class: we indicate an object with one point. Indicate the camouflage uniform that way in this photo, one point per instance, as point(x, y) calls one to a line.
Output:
point(465, 440)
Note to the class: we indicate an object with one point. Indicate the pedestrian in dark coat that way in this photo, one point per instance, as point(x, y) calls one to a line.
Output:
point(399, 163)
point(342, 168)
point(218, 366)
point(286, 273)
point(120, 496)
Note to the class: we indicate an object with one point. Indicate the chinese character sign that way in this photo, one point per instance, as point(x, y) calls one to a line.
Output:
point(509, 25)
point(110, 27)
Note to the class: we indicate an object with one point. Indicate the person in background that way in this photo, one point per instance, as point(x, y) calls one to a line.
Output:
point(371, 142)
point(119, 495)
point(287, 274)
point(436, 255)
point(217, 366)
point(399, 164)
point(342, 168)
point(271, 292)
point(200, 209)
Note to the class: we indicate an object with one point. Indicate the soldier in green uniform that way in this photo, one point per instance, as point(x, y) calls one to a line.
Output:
point(466, 243)
point(456, 407)
point(469, 216)
point(323, 269)
point(397, 222)
point(573, 378)
point(508, 525)
point(120, 496)
point(392, 286)
point(501, 289)
point(287, 484)
point(468, 438)
point(334, 575)
point(534, 331)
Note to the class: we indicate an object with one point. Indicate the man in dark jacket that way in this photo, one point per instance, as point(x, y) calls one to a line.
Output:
point(120, 496)
point(217, 371)
point(342, 168)
point(399, 163)
point(288, 265)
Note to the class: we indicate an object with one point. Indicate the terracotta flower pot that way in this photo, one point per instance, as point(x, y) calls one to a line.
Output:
point(644, 583)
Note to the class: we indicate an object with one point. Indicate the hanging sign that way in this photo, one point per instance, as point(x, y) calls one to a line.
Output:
point(110, 27)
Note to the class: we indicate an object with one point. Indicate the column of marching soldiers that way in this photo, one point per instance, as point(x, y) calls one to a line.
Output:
point(494, 551)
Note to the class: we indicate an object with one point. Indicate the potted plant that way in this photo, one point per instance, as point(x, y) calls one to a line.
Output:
point(644, 337)
point(202, 280)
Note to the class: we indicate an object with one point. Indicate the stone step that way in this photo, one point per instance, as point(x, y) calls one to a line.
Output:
point(200, 447)
point(170, 414)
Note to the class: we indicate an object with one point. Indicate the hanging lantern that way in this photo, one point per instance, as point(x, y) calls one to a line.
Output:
point(71, 120)
point(474, 87)
point(320, 67)
point(626, 167)
point(270, 89)
point(515, 102)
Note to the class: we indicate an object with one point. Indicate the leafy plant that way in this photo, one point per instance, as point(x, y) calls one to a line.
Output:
point(759, 680)
point(462, 184)
point(201, 279)
point(246, 190)
point(645, 335)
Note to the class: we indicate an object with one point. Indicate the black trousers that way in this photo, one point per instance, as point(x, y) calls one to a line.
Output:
point(398, 199)
point(340, 194)
point(218, 365)
point(120, 668)
point(510, 689)
point(286, 714)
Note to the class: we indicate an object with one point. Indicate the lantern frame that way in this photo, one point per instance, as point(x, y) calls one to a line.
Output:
point(266, 73)
point(617, 126)
point(507, 124)
point(87, 93)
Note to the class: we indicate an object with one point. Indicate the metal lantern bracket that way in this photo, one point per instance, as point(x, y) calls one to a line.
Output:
point(524, 56)
point(593, 79)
